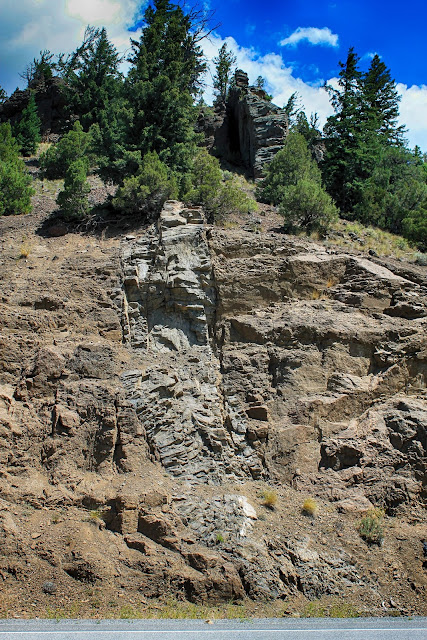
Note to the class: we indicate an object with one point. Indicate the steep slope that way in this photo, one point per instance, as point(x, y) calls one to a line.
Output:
point(155, 384)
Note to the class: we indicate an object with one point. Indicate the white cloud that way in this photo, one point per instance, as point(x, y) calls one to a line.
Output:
point(280, 78)
point(313, 35)
point(57, 25)
point(94, 12)
point(413, 109)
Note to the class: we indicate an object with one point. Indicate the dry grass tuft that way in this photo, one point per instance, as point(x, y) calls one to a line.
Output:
point(269, 498)
point(24, 250)
point(309, 507)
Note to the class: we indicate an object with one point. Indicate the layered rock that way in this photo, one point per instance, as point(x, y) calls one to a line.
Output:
point(155, 385)
point(168, 315)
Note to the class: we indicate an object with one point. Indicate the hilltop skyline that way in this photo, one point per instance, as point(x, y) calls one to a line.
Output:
point(294, 47)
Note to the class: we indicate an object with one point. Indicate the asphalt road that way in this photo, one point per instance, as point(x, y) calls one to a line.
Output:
point(268, 629)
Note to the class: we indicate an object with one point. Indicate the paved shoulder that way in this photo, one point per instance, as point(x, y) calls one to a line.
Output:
point(269, 629)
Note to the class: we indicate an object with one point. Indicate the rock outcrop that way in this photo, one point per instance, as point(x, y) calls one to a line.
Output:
point(155, 385)
point(248, 130)
point(50, 101)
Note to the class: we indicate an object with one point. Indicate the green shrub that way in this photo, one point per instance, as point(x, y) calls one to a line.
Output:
point(147, 191)
point(15, 189)
point(307, 206)
point(208, 188)
point(74, 145)
point(73, 201)
point(371, 527)
point(293, 183)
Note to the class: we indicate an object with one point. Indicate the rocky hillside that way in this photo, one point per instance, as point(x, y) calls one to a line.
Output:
point(171, 396)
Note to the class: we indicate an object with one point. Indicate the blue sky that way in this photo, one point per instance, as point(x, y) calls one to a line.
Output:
point(295, 45)
point(392, 29)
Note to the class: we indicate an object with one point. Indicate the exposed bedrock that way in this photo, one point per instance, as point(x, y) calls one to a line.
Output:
point(248, 130)
point(163, 380)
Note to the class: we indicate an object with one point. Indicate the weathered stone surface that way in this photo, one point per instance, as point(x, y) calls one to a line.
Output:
point(248, 130)
point(154, 387)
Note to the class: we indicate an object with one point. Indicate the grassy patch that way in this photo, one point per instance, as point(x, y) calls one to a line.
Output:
point(384, 244)
point(333, 609)
point(269, 498)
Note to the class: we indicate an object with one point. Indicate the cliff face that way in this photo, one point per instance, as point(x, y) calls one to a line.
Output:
point(155, 384)
point(248, 130)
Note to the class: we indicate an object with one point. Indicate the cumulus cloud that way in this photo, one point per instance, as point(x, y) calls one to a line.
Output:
point(312, 35)
point(57, 25)
point(413, 109)
point(280, 78)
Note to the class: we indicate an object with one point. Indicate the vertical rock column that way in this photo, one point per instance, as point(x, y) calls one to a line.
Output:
point(168, 316)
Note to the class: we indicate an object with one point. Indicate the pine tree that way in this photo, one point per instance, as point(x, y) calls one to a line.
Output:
point(73, 200)
point(3, 95)
point(28, 128)
point(293, 108)
point(161, 85)
point(93, 77)
point(224, 63)
point(15, 182)
point(380, 98)
point(350, 145)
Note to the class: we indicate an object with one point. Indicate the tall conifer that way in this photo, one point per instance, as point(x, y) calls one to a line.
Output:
point(28, 128)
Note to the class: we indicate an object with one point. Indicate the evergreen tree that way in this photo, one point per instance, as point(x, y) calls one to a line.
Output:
point(224, 63)
point(396, 190)
point(39, 70)
point(350, 145)
point(27, 130)
point(380, 103)
point(74, 145)
point(73, 200)
point(115, 158)
point(93, 77)
point(15, 182)
point(3, 95)
point(310, 131)
point(161, 85)
point(293, 183)
point(292, 108)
